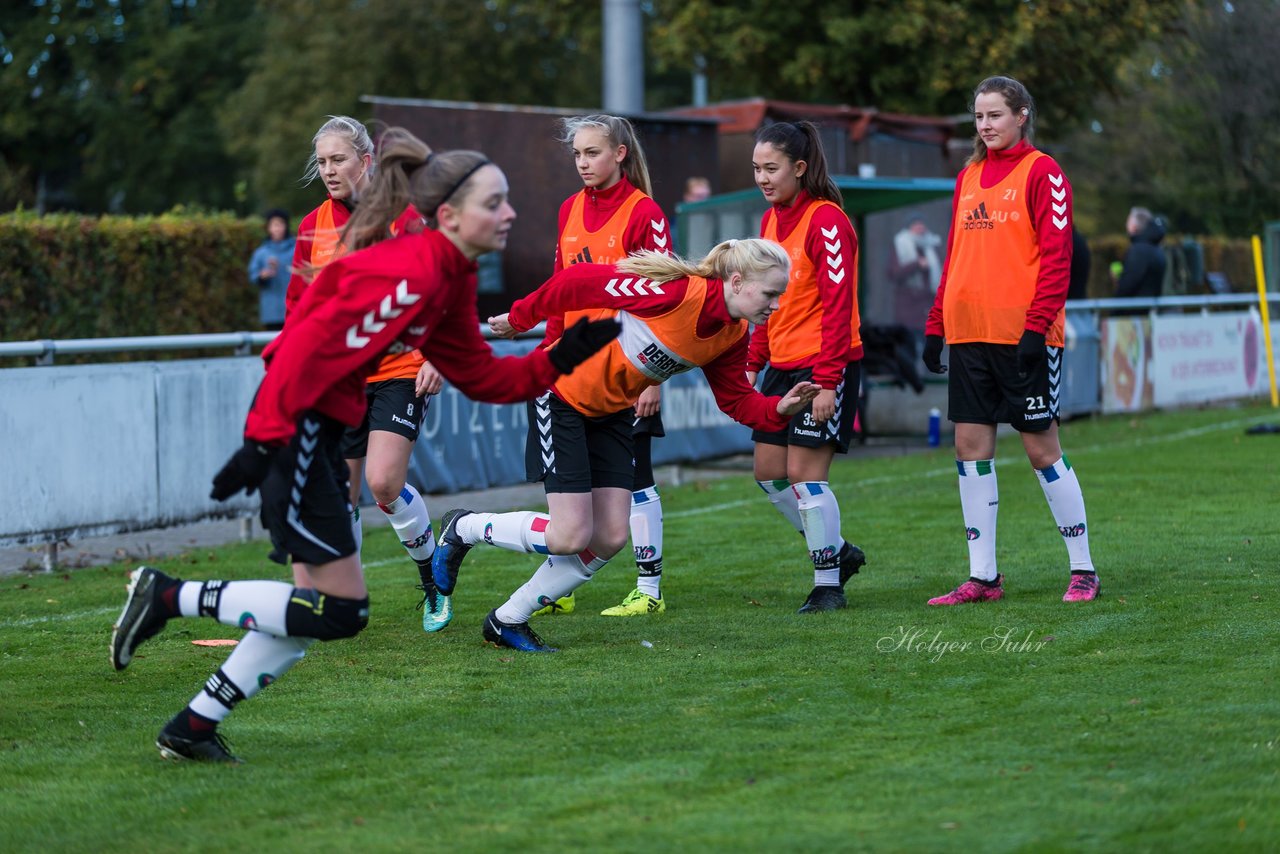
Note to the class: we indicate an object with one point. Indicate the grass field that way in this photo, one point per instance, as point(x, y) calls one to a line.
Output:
point(1148, 720)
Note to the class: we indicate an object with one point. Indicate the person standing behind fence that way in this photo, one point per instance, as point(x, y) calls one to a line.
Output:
point(378, 449)
point(612, 216)
point(915, 268)
point(269, 269)
point(418, 291)
point(1000, 308)
point(1142, 271)
point(816, 336)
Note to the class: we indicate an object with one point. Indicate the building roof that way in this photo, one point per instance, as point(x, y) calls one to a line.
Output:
point(747, 115)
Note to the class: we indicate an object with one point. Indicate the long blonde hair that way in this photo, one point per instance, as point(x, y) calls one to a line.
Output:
point(750, 257)
point(619, 132)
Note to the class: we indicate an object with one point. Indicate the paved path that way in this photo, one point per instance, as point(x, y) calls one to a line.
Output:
point(164, 542)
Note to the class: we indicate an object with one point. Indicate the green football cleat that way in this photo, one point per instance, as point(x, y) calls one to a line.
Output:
point(437, 608)
point(637, 604)
point(563, 605)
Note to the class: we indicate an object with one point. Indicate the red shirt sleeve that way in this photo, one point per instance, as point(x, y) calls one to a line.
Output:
point(465, 359)
point(727, 376)
point(587, 286)
point(327, 342)
point(301, 257)
point(1049, 201)
point(933, 323)
point(357, 308)
point(835, 261)
point(647, 229)
point(758, 351)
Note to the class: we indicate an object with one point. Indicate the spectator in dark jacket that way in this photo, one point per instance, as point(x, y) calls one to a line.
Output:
point(1081, 260)
point(1144, 263)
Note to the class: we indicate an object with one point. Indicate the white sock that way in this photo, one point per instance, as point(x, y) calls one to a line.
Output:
point(646, 539)
point(820, 517)
point(257, 605)
point(408, 516)
point(1062, 490)
point(521, 531)
point(357, 528)
point(979, 501)
point(783, 500)
point(257, 661)
point(558, 576)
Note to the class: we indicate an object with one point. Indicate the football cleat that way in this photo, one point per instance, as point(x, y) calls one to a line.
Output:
point(450, 550)
point(851, 560)
point(211, 749)
point(637, 604)
point(517, 636)
point(436, 608)
point(972, 591)
point(1084, 587)
point(143, 616)
point(823, 598)
point(563, 605)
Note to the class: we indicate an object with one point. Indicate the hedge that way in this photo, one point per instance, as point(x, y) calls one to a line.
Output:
point(70, 276)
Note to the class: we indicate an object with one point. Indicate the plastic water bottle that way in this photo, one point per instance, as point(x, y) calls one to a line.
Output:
point(935, 427)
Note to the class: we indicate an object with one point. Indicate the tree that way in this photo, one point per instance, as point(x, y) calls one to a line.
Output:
point(916, 56)
point(504, 51)
point(1194, 131)
point(109, 105)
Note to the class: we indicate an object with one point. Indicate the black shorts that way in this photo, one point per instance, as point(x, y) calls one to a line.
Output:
point(803, 431)
point(650, 425)
point(570, 452)
point(393, 408)
point(984, 387)
point(305, 502)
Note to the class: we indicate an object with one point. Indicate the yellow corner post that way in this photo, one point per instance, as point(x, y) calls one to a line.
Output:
point(1266, 317)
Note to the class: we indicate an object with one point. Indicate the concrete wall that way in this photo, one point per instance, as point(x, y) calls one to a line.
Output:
point(103, 449)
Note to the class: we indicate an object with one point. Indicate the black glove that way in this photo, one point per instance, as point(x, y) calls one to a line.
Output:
point(581, 341)
point(933, 354)
point(247, 468)
point(1031, 351)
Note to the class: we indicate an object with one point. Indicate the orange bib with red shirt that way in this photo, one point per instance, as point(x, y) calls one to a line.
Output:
point(649, 351)
point(994, 262)
point(795, 329)
point(578, 245)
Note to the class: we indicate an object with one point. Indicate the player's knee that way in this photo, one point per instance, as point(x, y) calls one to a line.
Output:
point(313, 614)
point(384, 487)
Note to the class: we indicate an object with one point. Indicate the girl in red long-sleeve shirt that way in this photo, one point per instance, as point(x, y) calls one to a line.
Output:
point(377, 450)
point(417, 291)
point(814, 336)
point(675, 315)
point(611, 217)
point(1000, 307)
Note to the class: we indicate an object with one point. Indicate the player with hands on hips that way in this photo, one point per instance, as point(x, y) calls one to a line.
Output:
point(417, 291)
point(999, 308)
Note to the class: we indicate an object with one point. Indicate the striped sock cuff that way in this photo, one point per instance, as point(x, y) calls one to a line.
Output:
point(773, 487)
point(1051, 473)
point(975, 468)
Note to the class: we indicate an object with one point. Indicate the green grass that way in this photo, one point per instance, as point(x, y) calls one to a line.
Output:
point(1147, 720)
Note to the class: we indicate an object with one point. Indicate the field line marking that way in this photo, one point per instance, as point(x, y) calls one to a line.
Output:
point(1189, 433)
